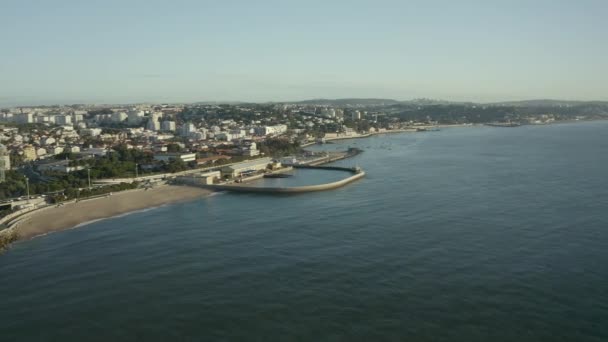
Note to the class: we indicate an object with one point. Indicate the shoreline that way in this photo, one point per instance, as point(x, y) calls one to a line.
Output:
point(72, 214)
point(413, 129)
point(79, 214)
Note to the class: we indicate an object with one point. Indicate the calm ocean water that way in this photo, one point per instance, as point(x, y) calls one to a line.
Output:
point(466, 234)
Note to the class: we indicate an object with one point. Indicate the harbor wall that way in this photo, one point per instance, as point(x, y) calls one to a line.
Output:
point(288, 190)
point(336, 168)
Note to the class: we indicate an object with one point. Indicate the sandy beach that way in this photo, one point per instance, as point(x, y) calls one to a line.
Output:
point(71, 214)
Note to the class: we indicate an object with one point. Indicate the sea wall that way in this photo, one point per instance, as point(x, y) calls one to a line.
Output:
point(289, 190)
point(6, 219)
point(336, 168)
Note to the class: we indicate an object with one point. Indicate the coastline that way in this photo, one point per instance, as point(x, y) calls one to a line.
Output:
point(412, 129)
point(78, 214)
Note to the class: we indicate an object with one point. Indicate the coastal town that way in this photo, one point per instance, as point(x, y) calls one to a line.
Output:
point(61, 152)
point(54, 155)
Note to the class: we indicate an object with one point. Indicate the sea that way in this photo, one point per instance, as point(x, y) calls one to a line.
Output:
point(463, 234)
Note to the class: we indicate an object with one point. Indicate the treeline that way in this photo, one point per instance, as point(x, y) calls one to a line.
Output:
point(74, 193)
point(119, 163)
point(14, 185)
point(279, 147)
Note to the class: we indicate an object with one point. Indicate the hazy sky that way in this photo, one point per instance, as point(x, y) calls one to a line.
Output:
point(63, 51)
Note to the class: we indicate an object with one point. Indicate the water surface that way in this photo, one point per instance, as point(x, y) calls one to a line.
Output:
point(466, 234)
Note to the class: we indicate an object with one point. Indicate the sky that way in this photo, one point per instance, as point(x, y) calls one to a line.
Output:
point(107, 51)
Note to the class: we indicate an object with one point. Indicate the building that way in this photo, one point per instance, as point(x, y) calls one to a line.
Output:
point(29, 153)
point(63, 119)
point(135, 117)
point(41, 119)
point(251, 150)
point(41, 152)
point(200, 135)
point(245, 168)
point(187, 129)
point(119, 117)
point(5, 162)
point(153, 122)
point(93, 132)
point(8, 117)
point(166, 157)
point(47, 141)
point(168, 126)
point(210, 177)
point(224, 136)
point(77, 117)
point(271, 130)
point(54, 150)
point(24, 118)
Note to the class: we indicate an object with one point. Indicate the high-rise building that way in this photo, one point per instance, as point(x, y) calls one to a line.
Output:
point(153, 122)
point(63, 119)
point(77, 117)
point(135, 117)
point(25, 118)
point(168, 126)
point(187, 129)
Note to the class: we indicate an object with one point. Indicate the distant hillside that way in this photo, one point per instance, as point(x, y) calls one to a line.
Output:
point(376, 102)
point(540, 103)
point(434, 102)
point(348, 102)
point(215, 103)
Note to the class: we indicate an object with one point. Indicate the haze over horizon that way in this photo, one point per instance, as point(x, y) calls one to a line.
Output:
point(186, 51)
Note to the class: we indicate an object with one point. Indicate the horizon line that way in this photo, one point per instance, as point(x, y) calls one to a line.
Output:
point(219, 102)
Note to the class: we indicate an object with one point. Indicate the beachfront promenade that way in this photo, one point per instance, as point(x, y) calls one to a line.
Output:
point(37, 220)
point(156, 177)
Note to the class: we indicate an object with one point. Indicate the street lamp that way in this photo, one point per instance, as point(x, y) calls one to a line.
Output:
point(136, 175)
point(89, 176)
point(27, 186)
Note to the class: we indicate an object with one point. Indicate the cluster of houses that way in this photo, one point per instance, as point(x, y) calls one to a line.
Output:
point(89, 131)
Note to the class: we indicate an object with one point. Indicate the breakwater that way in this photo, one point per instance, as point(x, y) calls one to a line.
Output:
point(335, 168)
point(357, 174)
